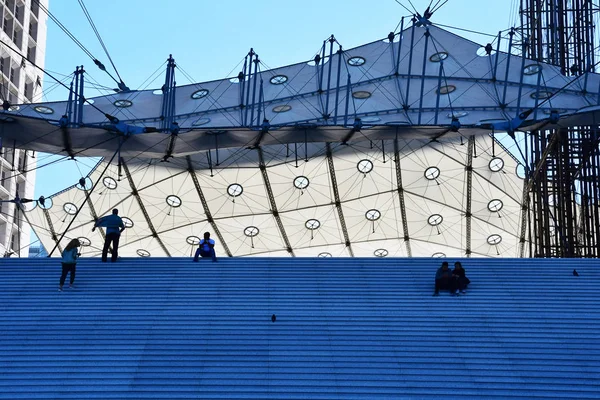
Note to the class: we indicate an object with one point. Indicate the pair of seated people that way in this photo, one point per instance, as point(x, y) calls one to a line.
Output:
point(455, 281)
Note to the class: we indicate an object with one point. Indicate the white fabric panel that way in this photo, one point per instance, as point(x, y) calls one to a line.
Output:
point(423, 248)
point(336, 250)
point(393, 247)
point(148, 244)
point(175, 240)
point(450, 232)
point(327, 233)
point(268, 238)
point(387, 226)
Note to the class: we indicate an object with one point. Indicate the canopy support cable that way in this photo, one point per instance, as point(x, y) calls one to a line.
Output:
point(426, 34)
point(87, 196)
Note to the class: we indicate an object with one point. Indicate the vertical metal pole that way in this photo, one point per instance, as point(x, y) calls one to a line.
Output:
point(70, 102)
point(165, 91)
point(521, 75)
point(348, 94)
point(80, 100)
point(437, 97)
point(494, 76)
point(426, 34)
point(337, 88)
point(75, 102)
point(256, 64)
point(248, 91)
point(322, 64)
point(260, 103)
point(537, 100)
point(399, 46)
point(242, 83)
point(510, 41)
point(331, 41)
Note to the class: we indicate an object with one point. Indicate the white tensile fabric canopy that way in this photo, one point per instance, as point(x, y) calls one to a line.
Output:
point(386, 149)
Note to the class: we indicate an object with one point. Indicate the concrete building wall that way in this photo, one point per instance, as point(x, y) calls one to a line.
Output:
point(22, 26)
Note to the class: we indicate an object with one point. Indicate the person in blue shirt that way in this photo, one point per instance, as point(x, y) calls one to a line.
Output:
point(69, 261)
point(206, 248)
point(114, 226)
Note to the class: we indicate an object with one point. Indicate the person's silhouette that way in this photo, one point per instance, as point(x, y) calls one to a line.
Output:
point(206, 248)
point(114, 226)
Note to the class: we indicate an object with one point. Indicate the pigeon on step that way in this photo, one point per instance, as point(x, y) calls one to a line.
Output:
point(273, 318)
point(575, 273)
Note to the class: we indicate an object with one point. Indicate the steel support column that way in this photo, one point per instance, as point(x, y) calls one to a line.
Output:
point(207, 212)
point(136, 194)
point(269, 189)
point(338, 203)
point(401, 198)
point(52, 230)
point(468, 213)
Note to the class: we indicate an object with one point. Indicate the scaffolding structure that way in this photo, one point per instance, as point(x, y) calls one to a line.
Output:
point(563, 165)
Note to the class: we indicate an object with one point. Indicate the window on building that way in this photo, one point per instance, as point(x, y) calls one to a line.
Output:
point(31, 51)
point(7, 25)
point(35, 8)
point(33, 29)
point(14, 76)
point(19, 13)
point(4, 62)
point(28, 91)
point(16, 37)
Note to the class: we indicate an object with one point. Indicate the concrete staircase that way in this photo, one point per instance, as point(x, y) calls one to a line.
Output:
point(345, 329)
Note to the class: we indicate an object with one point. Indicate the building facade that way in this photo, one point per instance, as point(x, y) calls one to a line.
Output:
point(23, 27)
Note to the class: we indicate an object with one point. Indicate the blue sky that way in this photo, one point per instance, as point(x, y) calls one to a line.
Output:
point(208, 39)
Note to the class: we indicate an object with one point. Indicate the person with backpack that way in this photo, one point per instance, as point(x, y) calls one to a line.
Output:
point(69, 261)
point(206, 248)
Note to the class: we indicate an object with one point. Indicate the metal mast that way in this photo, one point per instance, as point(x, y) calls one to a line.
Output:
point(563, 165)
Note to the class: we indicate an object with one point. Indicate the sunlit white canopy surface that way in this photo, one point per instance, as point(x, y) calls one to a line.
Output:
point(380, 150)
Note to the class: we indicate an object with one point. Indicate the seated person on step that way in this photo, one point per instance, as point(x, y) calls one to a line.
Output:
point(444, 279)
point(206, 248)
point(461, 279)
